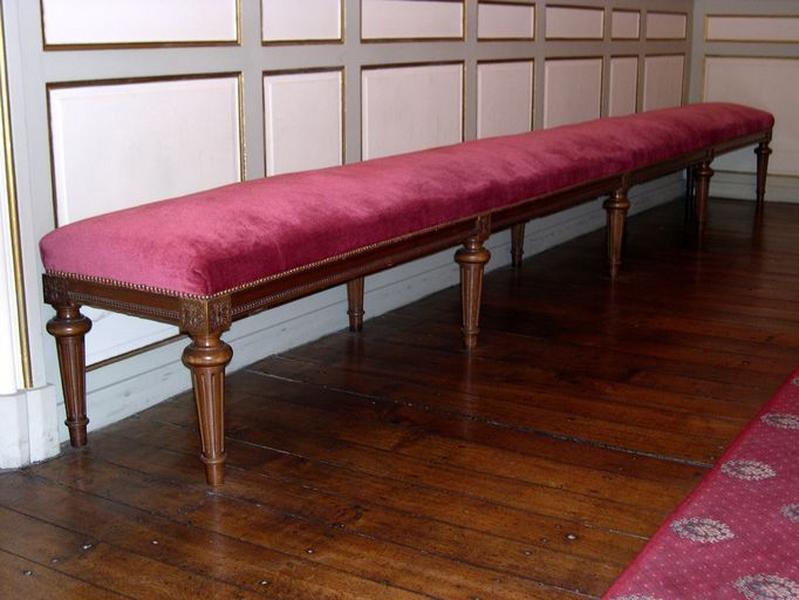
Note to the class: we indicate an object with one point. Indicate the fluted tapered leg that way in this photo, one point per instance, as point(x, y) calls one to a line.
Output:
point(763, 152)
point(207, 356)
point(616, 206)
point(69, 327)
point(690, 196)
point(355, 303)
point(472, 259)
point(517, 243)
point(703, 175)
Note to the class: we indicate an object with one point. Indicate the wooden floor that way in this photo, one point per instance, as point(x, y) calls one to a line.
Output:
point(393, 465)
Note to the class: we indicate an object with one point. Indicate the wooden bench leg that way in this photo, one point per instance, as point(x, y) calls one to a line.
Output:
point(703, 175)
point(616, 206)
point(763, 152)
point(690, 193)
point(69, 327)
point(355, 303)
point(472, 259)
point(207, 356)
point(517, 244)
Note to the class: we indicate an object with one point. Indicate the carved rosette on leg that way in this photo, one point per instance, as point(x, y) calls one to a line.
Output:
point(703, 175)
point(472, 259)
point(617, 207)
point(355, 303)
point(207, 356)
point(517, 244)
point(763, 152)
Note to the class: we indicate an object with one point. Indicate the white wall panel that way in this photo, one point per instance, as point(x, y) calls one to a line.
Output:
point(768, 83)
point(298, 20)
point(119, 145)
point(623, 85)
point(663, 81)
point(138, 21)
point(625, 25)
point(505, 21)
point(572, 90)
point(302, 120)
point(504, 98)
point(751, 28)
point(666, 26)
point(411, 108)
point(116, 146)
point(411, 19)
point(575, 23)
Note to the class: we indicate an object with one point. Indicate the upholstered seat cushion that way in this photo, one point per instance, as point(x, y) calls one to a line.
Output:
point(220, 239)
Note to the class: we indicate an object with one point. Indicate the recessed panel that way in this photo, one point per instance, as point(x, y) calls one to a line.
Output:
point(663, 81)
point(505, 21)
point(572, 90)
point(411, 19)
point(752, 28)
point(410, 108)
point(301, 20)
point(666, 26)
point(625, 25)
point(504, 98)
point(101, 22)
point(569, 23)
point(302, 120)
point(623, 85)
point(771, 84)
point(117, 146)
point(120, 145)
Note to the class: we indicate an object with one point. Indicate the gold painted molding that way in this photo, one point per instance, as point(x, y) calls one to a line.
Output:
point(308, 42)
point(340, 69)
point(499, 61)
point(667, 39)
point(137, 80)
point(13, 212)
point(638, 64)
point(379, 66)
point(640, 27)
point(139, 45)
point(577, 39)
point(684, 56)
point(461, 38)
point(507, 3)
point(602, 73)
point(706, 26)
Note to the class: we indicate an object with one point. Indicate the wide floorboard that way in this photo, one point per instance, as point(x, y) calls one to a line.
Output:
point(392, 464)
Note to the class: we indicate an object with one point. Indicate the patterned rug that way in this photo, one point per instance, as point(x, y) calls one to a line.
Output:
point(737, 535)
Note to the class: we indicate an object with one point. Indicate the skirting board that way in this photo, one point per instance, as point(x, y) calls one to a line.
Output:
point(121, 389)
point(741, 186)
point(28, 426)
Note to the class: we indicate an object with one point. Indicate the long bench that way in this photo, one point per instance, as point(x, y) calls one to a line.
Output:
point(204, 260)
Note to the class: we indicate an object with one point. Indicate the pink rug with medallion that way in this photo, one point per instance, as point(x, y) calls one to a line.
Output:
point(736, 537)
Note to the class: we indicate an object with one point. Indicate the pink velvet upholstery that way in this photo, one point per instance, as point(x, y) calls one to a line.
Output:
point(219, 239)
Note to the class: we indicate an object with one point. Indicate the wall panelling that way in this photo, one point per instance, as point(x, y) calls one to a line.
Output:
point(411, 107)
point(497, 20)
point(87, 23)
point(663, 81)
point(504, 97)
point(572, 90)
point(300, 106)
